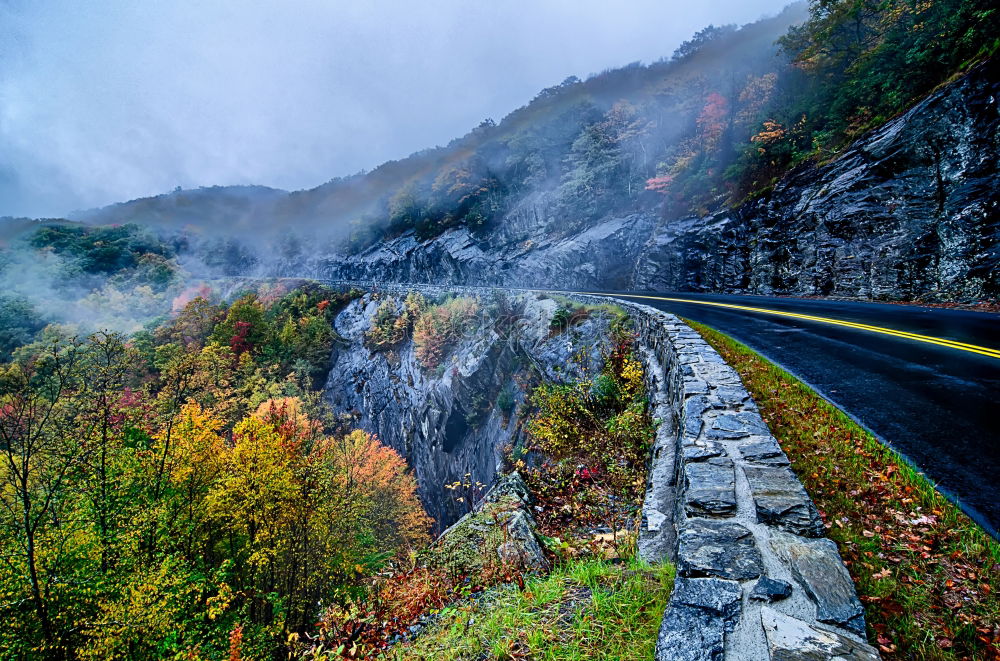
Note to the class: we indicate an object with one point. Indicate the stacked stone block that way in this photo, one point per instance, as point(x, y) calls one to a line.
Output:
point(756, 579)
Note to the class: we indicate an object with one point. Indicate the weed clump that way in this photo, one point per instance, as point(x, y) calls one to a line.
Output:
point(590, 441)
point(439, 327)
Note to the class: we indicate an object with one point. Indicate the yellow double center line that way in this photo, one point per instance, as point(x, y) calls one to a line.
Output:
point(985, 351)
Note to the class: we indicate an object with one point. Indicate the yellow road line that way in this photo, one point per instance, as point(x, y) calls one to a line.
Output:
point(986, 351)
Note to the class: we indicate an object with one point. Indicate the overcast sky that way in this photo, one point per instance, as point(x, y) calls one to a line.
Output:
point(104, 101)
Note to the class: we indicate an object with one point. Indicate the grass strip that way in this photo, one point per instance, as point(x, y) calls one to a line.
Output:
point(584, 609)
point(928, 575)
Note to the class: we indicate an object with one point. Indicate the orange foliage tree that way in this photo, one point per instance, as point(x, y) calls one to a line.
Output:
point(712, 120)
point(302, 513)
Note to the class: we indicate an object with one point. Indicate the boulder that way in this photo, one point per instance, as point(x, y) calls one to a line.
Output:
point(522, 548)
point(500, 527)
point(510, 487)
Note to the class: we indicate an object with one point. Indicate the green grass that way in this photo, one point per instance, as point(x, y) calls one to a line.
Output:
point(928, 575)
point(584, 609)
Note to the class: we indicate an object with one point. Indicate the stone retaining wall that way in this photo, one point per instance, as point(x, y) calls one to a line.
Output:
point(756, 578)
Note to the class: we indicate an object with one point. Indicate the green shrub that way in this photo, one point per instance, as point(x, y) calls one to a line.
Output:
point(605, 390)
point(505, 400)
point(560, 319)
point(390, 325)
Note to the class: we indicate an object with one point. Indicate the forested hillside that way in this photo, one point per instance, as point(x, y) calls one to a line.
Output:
point(191, 490)
point(165, 492)
point(733, 109)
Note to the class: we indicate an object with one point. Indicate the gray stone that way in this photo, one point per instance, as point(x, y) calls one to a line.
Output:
point(710, 488)
point(791, 639)
point(521, 547)
point(715, 373)
point(510, 487)
point(688, 357)
point(718, 548)
point(692, 426)
point(781, 501)
point(730, 396)
point(695, 387)
point(694, 409)
point(766, 452)
point(701, 450)
point(817, 567)
point(734, 426)
point(700, 613)
point(770, 589)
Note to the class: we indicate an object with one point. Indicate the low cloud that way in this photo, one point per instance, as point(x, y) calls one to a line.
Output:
point(103, 102)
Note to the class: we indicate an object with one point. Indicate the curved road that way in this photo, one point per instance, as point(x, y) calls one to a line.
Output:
point(936, 404)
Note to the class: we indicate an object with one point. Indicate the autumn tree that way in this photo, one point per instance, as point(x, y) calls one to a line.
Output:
point(41, 457)
point(110, 426)
point(608, 156)
point(380, 491)
point(193, 324)
point(712, 121)
point(252, 502)
point(245, 327)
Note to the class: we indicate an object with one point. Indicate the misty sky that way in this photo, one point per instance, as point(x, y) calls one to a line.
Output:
point(104, 101)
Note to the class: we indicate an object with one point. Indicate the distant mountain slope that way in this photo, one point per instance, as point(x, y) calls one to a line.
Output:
point(218, 208)
point(589, 145)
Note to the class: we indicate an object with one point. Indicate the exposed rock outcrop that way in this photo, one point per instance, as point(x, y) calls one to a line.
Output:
point(911, 210)
point(445, 422)
point(603, 255)
point(499, 530)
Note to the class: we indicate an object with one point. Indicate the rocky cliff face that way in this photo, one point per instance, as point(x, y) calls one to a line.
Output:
point(912, 210)
point(446, 422)
point(603, 255)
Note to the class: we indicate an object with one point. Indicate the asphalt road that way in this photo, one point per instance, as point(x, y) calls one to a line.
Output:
point(937, 405)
